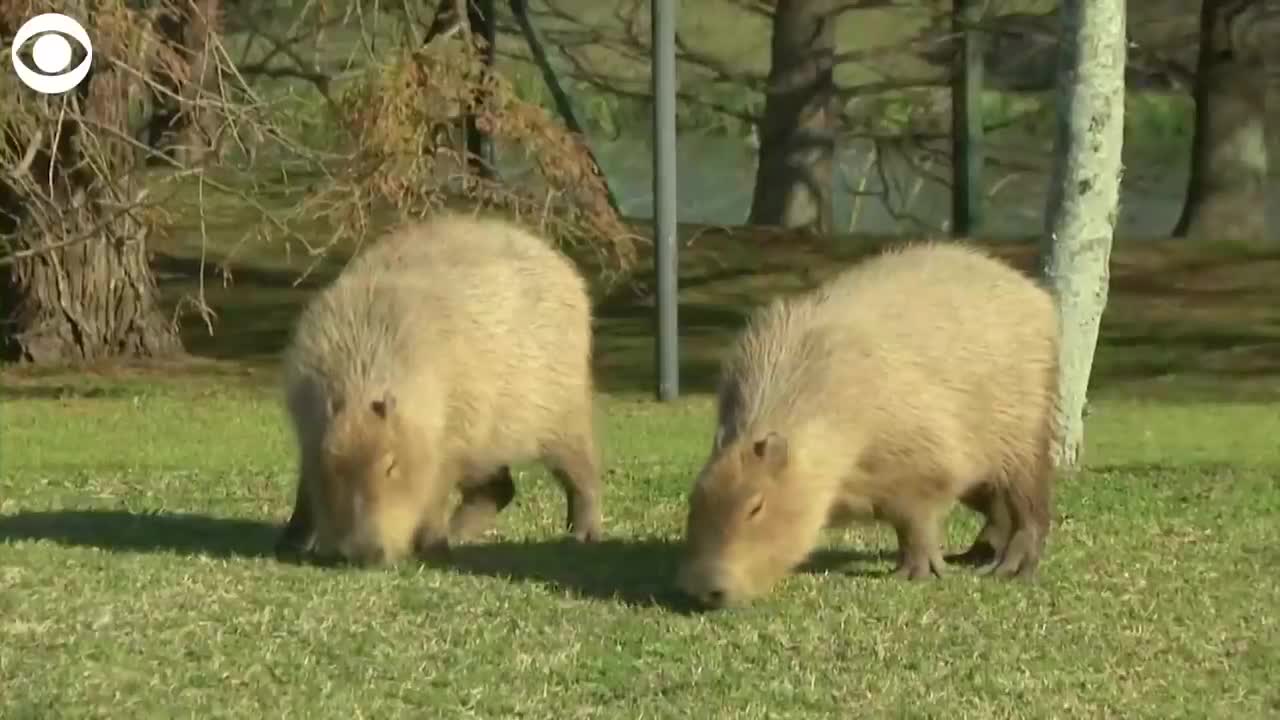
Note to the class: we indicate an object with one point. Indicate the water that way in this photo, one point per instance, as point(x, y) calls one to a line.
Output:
point(716, 176)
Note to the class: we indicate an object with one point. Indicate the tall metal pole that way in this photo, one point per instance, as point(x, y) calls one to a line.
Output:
point(966, 120)
point(664, 195)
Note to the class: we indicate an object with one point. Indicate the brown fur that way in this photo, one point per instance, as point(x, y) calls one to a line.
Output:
point(914, 379)
point(443, 353)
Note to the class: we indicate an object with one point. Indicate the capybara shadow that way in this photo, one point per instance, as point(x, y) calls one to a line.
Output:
point(634, 572)
point(639, 573)
point(123, 531)
point(61, 392)
point(869, 563)
point(852, 563)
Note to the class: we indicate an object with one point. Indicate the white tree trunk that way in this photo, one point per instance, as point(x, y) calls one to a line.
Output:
point(1084, 196)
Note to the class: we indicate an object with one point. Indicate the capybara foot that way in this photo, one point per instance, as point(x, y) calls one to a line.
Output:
point(574, 467)
point(298, 538)
point(294, 544)
point(919, 550)
point(471, 521)
point(431, 544)
point(587, 531)
point(920, 566)
point(478, 511)
point(1021, 558)
point(979, 554)
point(585, 521)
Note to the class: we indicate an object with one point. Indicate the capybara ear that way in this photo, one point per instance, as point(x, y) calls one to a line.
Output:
point(772, 451)
point(385, 406)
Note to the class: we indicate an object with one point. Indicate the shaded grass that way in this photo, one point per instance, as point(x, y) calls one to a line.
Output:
point(138, 506)
point(1184, 320)
point(148, 531)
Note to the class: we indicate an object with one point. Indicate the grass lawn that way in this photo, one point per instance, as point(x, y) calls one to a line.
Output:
point(138, 508)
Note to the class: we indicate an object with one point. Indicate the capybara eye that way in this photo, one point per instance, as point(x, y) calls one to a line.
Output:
point(756, 507)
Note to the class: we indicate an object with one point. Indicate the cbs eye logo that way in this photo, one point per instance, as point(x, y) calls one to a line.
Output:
point(52, 54)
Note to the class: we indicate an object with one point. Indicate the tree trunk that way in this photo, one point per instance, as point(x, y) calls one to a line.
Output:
point(1084, 197)
point(77, 287)
point(1271, 59)
point(797, 140)
point(966, 120)
point(177, 127)
point(1226, 190)
point(93, 301)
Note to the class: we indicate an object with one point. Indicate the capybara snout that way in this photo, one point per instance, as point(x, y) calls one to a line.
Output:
point(368, 492)
point(707, 585)
point(738, 540)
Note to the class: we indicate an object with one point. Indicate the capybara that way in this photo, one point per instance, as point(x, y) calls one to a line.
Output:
point(924, 375)
point(444, 352)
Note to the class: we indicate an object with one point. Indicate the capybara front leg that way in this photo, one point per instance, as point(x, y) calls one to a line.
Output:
point(431, 541)
point(573, 463)
point(299, 535)
point(480, 505)
point(919, 546)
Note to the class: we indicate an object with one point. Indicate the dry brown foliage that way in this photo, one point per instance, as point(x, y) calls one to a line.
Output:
point(76, 210)
point(401, 157)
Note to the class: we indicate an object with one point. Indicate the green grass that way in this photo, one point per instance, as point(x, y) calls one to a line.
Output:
point(138, 507)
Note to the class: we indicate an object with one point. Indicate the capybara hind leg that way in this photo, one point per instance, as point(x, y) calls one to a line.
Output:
point(573, 464)
point(1021, 555)
point(299, 535)
point(994, 535)
point(919, 544)
point(480, 505)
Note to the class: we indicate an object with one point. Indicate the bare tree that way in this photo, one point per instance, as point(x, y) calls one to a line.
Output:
point(183, 129)
point(893, 101)
point(79, 206)
point(1084, 196)
point(78, 286)
point(797, 136)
